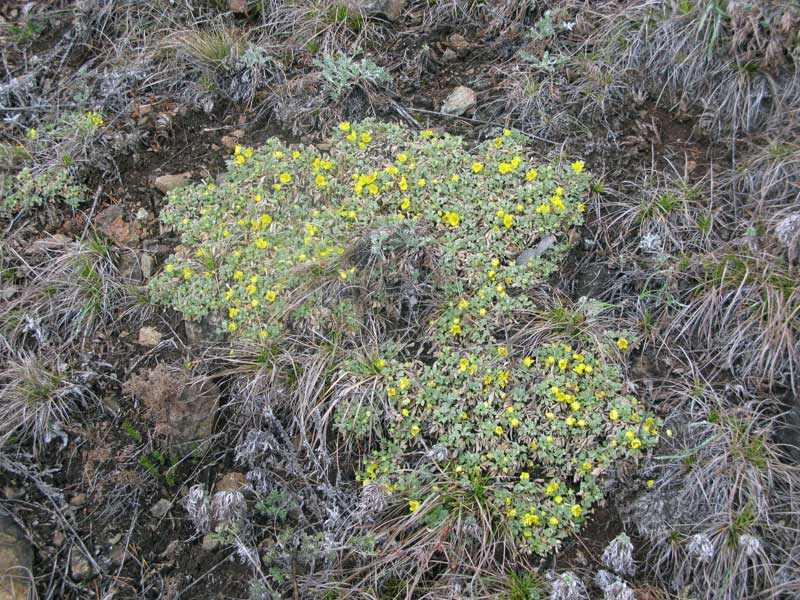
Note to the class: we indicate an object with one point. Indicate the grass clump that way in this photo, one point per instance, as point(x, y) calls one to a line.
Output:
point(409, 263)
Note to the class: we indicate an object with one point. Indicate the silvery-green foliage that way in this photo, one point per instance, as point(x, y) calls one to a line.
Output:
point(342, 74)
point(613, 587)
point(228, 506)
point(567, 586)
point(196, 504)
point(700, 548)
point(618, 555)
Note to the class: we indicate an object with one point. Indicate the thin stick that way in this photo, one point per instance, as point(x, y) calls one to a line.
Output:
point(91, 211)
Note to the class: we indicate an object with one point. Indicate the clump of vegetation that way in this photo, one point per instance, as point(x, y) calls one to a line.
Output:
point(47, 161)
point(449, 416)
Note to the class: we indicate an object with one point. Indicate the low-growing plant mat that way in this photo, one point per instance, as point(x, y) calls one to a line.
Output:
point(418, 266)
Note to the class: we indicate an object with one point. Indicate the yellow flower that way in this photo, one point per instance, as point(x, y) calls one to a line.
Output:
point(508, 221)
point(248, 153)
point(562, 364)
point(498, 430)
point(527, 361)
point(622, 343)
point(552, 488)
point(553, 521)
point(169, 268)
point(421, 182)
point(232, 312)
point(426, 133)
point(366, 137)
point(270, 296)
point(577, 166)
point(576, 510)
point(31, 134)
point(452, 218)
point(232, 326)
point(239, 159)
point(504, 168)
point(402, 157)
point(345, 126)
point(636, 443)
point(613, 415)
point(285, 177)
point(477, 167)
point(413, 505)
point(352, 136)
point(515, 422)
point(650, 483)
point(414, 430)
point(261, 243)
point(543, 208)
point(321, 181)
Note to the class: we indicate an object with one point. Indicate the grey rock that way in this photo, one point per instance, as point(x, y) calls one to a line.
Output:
point(79, 566)
point(142, 214)
point(529, 253)
point(388, 9)
point(192, 417)
point(147, 264)
point(237, 6)
point(232, 481)
point(149, 336)
point(167, 183)
point(449, 55)
point(210, 542)
point(460, 101)
point(160, 508)
point(16, 562)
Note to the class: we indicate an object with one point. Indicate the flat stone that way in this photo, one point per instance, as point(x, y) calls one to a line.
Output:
point(53, 242)
point(530, 253)
point(210, 542)
point(232, 481)
point(79, 566)
point(148, 264)
point(167, 183)
point(388, 9)
point(111, 222)
point(16, 562)
point(149, 336)
point(160, 508)
point(460, 101)
point(237, 6)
